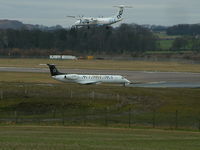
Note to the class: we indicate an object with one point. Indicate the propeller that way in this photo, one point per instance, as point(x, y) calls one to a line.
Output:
point(123, 6)
point(71, 16)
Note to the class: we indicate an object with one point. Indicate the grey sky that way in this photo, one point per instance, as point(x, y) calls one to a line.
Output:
point(53, 12)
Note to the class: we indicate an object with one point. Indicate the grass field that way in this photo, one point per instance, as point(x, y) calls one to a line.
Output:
point(96, 105)
point(75, 138)
point(27, 77)
point(165, 44)
point(163, 35)
point(35, 99)
point(104, 64)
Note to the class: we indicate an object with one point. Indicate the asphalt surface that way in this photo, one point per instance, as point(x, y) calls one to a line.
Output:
point(142, 78)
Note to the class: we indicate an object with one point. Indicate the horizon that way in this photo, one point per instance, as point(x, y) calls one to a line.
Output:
point(112, 25)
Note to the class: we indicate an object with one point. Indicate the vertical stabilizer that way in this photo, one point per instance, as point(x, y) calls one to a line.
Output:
point(54, 71)
point(121, 10)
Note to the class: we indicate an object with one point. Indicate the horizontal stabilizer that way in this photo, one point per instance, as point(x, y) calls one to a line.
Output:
point(123, 6)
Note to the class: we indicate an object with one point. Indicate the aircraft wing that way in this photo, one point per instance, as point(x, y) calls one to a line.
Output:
point(94, 21)
point(88, 82)
point(91, 20)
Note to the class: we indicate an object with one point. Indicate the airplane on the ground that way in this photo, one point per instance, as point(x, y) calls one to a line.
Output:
point(86, 79)
point(100, 21)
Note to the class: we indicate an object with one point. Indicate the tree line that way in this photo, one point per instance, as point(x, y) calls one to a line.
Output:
point(184, 29)
point(127, 38)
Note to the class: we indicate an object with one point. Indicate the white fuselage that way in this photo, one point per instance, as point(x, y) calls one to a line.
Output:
point(91, 79)
point(97, 21)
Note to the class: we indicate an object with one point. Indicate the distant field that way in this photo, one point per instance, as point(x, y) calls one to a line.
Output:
point(165, 41)
point(163, 35)
point(104, 64)
point(165, 44)
point(74, 138)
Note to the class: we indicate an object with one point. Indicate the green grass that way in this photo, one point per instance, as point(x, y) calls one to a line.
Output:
point(104, 64)
point(165, 44)
point(26, 77)
point(163, 35)
point(74, 138)
point(77, 105)
point(39, 94)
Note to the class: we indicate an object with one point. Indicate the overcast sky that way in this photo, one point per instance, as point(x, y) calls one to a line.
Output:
point(53, 12)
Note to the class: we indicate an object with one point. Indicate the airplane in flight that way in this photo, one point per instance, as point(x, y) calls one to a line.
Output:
point(86, 79)
point(100, 21)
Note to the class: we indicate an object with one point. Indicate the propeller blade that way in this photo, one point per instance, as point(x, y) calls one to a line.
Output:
point(71, 16)
point(123, 6)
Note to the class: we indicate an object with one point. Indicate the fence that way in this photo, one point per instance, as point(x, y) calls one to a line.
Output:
point(103, 117)
point(91, 108)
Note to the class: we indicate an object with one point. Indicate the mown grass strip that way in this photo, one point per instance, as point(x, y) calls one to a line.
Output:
point(73, 138)
point(105, 64)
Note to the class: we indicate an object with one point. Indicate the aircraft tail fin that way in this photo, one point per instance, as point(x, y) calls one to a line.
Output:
point(54, 71)
point(121, 10)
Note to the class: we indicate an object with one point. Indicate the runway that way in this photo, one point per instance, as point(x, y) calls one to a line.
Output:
point(141, 78)
point(167, 85)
